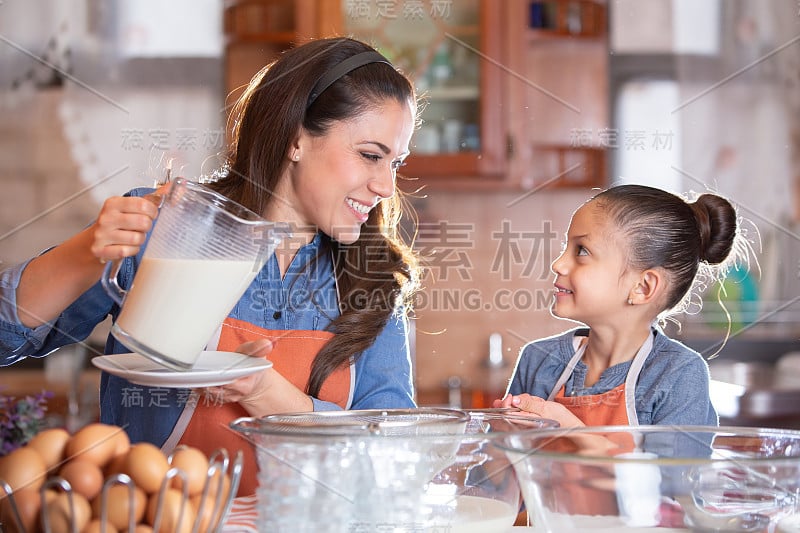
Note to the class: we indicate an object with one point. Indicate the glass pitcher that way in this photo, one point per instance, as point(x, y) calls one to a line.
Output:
point(202, 254)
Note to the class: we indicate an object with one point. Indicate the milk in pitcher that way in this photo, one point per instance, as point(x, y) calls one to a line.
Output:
point(176, 305)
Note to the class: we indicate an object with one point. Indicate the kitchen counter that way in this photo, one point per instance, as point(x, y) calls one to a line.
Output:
point(757, 394)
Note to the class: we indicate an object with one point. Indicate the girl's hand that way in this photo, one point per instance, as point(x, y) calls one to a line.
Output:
point(542, 408)
point(121, 227)
point(264, 393)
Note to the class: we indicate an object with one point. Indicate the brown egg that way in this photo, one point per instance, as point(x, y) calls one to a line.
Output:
point(96, 443)
point(207, 512)
point(84, 477)
point(116, 465)
point(96, 526)
point(50, 443)
point(59, 513)
point(122, 443)
point(177, 514)
point(146, 465)
point(28, 503)
point(118, 506)
point(23, 468)
point(194, 464)
point(143, 528)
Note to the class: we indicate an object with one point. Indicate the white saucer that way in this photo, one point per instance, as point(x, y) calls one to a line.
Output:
point(212, 369)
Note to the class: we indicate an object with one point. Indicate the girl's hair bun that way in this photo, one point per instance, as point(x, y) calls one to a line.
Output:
point(716, 221)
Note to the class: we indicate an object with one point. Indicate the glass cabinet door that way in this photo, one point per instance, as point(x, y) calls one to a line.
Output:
point(450, 49)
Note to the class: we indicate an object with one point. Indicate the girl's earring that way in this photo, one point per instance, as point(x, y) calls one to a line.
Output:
point(630, 301)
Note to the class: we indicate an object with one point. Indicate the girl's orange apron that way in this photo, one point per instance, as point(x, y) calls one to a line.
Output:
point(204, 423)
point(616, 407)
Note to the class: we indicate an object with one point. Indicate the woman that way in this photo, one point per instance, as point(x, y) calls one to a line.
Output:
point(318, 137)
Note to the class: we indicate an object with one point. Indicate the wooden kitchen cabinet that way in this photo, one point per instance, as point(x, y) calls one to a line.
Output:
point(451, 50)
point(507, 105)
point(558, 54)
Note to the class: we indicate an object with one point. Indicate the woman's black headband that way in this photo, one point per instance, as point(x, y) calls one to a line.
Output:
point(348, 65)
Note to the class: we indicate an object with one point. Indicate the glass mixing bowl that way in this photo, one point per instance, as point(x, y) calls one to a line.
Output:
point(394, 470)
point(674, 478)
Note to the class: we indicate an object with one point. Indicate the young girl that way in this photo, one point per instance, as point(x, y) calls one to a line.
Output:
point(631, 258)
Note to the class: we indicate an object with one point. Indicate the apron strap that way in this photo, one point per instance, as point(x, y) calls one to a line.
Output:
point(633, 377)
point(188, 409)
point(183, 422)
point(562, 379)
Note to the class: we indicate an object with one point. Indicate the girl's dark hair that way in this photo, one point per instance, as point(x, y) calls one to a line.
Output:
point(265, 121)
point(663, 230)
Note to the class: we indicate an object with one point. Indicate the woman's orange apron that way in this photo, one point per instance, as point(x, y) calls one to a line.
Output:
point(204, 423)
point(616, 407)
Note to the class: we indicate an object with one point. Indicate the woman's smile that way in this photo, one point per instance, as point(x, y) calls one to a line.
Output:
point(360, 209)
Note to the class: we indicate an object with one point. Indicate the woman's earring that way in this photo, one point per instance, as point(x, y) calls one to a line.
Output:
point(630, 301)
point(296, 157)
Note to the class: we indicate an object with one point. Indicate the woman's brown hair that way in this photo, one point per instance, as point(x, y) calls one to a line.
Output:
point(376, 275)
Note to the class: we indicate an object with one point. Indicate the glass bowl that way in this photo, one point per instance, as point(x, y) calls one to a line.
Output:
point(394, 470)
point(674, 478)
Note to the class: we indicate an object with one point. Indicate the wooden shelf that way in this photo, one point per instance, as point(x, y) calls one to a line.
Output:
point(568, 166)
point(444, 164)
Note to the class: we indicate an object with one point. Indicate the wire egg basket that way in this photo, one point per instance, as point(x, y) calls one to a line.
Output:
point(205, 521)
